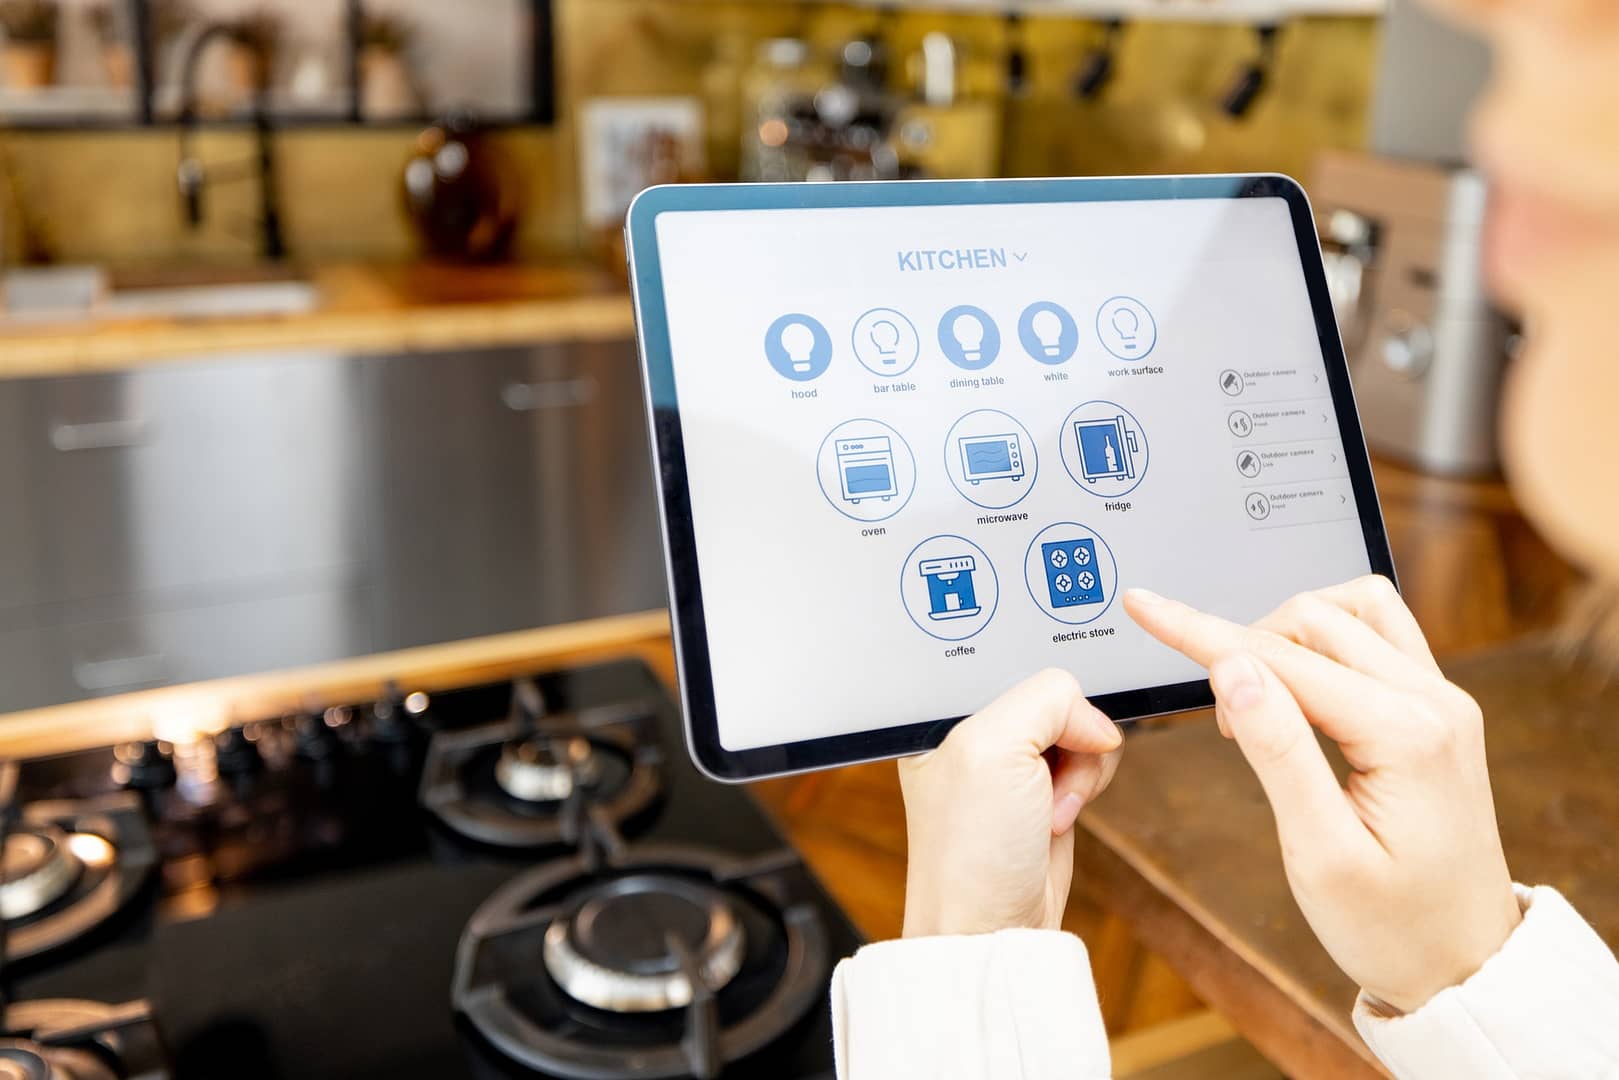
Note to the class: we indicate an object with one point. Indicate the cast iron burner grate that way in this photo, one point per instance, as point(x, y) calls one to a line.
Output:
point(532, 779)
point(80, 1040)
point(69, 866)
point(652, 961)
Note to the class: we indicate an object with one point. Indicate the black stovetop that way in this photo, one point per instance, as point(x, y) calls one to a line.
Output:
point(335, 957)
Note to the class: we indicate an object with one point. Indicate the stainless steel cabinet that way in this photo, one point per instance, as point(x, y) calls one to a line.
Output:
point(213, 518)
point(510, 488)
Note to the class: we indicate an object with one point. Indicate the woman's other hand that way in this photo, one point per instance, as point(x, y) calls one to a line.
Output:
point(1400, 872)
point(990, 813)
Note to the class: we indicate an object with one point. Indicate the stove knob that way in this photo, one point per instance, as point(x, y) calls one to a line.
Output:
point(389, 721)
point(316, 741)
point(144, 766)
point(236, 754)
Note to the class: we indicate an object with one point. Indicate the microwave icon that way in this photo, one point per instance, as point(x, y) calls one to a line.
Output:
point(866, 469)
point(1107, 449)
point(991, 457)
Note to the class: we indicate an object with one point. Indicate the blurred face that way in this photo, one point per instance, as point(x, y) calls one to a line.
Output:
point(1547, 134)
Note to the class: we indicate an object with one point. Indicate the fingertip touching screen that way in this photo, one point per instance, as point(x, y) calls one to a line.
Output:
point(924, 448)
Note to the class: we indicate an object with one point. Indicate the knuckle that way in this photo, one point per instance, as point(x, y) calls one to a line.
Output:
point(1379, 591)
point(1059, 682)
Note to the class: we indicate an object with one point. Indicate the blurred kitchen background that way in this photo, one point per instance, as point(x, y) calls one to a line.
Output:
point(315, 341)
point(323, 462)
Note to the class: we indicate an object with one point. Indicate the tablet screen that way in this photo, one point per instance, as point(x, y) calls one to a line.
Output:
point(928, 446)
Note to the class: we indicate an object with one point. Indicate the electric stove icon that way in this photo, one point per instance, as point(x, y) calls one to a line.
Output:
point(1072, 573)
point(950, 587)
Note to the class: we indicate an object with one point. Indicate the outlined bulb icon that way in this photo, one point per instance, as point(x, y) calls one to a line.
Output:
point(1125, 323)
point(1048, 328)
point(798, 341)
point(885, 338)
point(969, 334)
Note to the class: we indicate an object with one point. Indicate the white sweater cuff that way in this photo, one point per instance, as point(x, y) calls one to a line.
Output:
point(1545, 1006)
point(1017, 1004)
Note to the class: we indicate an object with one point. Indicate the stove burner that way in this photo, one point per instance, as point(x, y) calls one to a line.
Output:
point(546, 768)
point(79, 1040)
point(69, 866)
point(513, 786)
point(660, 962)
point(39, 866)
point(631, 943)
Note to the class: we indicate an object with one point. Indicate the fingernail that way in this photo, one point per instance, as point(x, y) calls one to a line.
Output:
point(1065, 813)
point(1237, 682)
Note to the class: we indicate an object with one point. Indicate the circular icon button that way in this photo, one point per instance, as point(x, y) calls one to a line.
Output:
point(991, 459)
point(798, 347)
point(1126, 327)
point(1257, 505)
point(885, 342)
point(1239, 424)
point(1070, 572)
point(1104, 449)
point(1231, 383)
point(867, 471)
point(1248, 464)
point(1049, 333)
point(949, 588)
point(969, 337)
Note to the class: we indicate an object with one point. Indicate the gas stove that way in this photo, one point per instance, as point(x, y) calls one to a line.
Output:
point(515, 879)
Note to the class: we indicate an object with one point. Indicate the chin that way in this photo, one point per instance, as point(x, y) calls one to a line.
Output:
point(1560, 439)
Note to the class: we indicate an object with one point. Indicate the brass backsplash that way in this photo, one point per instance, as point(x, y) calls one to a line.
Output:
point(109, 196)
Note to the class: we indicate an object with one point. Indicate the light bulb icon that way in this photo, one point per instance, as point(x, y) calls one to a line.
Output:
point(1047, 327)
point(885, 338)
point(1126, 323)
point(969, 334)
point(798, 342)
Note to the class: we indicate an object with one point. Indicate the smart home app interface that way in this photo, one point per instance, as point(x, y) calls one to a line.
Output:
point(928, 447)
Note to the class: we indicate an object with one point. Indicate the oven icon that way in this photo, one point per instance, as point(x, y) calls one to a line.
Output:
point(991, 457)
point(950, 587)
point(1107, 449)
point(866, 469)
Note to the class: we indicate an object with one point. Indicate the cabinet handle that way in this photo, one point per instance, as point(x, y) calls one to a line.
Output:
point(120, 672)
point(552, 394)
point(101, 435)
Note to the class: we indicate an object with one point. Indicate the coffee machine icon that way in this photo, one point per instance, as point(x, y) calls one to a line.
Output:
point(950, 587)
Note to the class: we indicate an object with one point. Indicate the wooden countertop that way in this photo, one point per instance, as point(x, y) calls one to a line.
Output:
point(359, 308)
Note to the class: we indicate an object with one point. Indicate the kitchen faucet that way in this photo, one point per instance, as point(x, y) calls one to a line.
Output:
point(191, 176)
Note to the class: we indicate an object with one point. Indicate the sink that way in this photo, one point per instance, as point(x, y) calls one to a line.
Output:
point(77, 292)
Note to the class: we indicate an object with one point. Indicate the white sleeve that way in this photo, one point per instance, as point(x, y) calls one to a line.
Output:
point(1013, 1005)
point(1546, 1007)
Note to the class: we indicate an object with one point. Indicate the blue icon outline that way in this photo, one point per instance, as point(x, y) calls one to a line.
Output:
point(1084, 480)
point(1090, 533)
point(1029, 452)
point(781, 359)
point(854, 342)
point(1067, 341)
point(989, 348)
point(911, 564)
point(1152, 321)
point(834, 502)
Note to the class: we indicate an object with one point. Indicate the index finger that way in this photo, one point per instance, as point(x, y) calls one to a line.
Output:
point(1343, 703)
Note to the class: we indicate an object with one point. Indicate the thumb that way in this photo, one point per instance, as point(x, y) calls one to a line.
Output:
point(1045, 710)
point(1261, 714)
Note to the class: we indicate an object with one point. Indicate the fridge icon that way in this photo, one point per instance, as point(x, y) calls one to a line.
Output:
point(1107, 449)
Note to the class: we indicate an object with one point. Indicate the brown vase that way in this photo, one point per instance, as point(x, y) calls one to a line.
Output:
point(461, 193)
point(118, 61)
point(29, 65)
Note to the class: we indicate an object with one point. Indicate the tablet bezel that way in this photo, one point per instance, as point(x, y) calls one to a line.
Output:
point(668, 448)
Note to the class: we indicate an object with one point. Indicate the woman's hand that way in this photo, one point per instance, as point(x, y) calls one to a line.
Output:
point(1400, 872)
point(990, 813)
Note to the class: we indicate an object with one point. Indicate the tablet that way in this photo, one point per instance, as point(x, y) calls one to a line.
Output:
point(914, 439)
